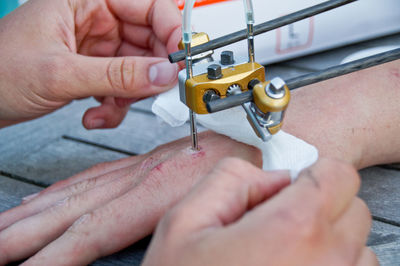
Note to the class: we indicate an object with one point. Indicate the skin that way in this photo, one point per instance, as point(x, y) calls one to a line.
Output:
point(353, 118)
point(79, 49)
point(133, 193)
point(246, 224)
point(334, 116)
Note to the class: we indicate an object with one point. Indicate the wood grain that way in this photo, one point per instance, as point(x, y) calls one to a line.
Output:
point(58, 160)
point(380, 189)
point(384, 240)
point(12, 191)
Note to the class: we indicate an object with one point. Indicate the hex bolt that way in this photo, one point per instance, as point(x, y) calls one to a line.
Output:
point(227, 58)
point(214, 71)
point(276, 88)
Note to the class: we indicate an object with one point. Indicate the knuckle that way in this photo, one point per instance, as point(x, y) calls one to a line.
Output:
point(331, 170)
point(120, 75)
point(63, 209)
point(153, 181)
point(87, 218)
point(150, 162)
point(82, 186)
point(79, 232)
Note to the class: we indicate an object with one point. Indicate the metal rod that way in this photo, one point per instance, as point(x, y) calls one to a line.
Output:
point(261, 28)
point(188, 61)
point(192, 115)
point(301, 81)
point(250, 42)
point(193, 130)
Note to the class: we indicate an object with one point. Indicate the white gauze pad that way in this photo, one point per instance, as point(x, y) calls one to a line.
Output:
point(282, 152)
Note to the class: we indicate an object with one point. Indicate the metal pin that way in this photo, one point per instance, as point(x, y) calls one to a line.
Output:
point(262, 28)
point(250, 42)
point(193, 130)
point(192, 115)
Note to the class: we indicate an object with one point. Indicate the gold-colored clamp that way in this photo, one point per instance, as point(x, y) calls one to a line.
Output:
point(271, 99)
point(238, 76)
point(197, 39)
point(212, 81)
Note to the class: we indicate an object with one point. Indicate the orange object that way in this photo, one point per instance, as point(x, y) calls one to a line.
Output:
point(181, 3)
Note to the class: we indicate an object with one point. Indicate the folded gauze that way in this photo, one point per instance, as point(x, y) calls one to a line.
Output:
point(282, 152)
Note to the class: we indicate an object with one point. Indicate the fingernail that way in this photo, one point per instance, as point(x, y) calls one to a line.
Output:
point(97, 123)
point(30, 197)
point(162, 74)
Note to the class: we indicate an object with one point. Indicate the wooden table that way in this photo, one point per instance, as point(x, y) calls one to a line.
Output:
point(36, 154)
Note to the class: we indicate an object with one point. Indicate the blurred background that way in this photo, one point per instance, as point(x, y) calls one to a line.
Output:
point(6, 6)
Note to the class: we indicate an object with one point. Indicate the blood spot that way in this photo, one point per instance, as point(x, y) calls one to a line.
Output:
point(159, 167)
point(198, 154)
point(395, 73)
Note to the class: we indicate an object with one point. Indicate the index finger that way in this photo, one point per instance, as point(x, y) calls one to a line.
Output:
point(162, 15)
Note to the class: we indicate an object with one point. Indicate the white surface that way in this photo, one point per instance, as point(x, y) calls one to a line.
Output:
point(358, 21)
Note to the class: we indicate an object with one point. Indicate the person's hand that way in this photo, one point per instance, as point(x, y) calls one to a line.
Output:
point(241, 215)
point(53, 52)
point(112, 205)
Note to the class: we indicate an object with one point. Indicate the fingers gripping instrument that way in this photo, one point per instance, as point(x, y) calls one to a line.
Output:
point(205, 80)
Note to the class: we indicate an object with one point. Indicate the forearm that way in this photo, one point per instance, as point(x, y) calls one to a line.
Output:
point(354, 118)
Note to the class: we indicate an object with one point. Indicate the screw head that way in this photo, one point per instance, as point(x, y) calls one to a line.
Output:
point(227, 58)
point(214, 71)
point(276, 88)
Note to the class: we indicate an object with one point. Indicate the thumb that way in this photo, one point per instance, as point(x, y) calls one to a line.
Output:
point(126, 77)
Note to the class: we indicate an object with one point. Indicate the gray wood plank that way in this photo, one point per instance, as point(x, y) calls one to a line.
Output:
point(381, 189)
point(23, 139)
point(139, 133)
point(384, 240)
point(58, 160)
point(12, 191)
